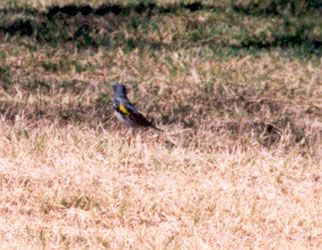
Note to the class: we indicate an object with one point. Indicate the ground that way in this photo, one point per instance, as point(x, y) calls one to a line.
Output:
point(237, 91)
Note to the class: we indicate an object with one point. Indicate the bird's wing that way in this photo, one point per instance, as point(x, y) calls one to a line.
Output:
point(134, 115)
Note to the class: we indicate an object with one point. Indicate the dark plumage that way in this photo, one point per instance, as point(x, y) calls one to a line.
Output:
point(126, 112)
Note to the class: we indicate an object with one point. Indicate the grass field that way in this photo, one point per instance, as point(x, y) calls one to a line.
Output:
point(237, 90)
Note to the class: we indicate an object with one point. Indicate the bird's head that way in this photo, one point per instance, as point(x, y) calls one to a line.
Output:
point(119, 90)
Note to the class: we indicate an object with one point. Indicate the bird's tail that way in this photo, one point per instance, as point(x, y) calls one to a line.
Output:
point(158, 129)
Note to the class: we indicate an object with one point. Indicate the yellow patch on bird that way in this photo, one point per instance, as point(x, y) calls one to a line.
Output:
point(124, 110)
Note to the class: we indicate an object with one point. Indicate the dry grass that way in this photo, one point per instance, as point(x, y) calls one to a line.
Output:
point(239, 163)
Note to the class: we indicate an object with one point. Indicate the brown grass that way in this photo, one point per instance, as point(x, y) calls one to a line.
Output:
point(238, 166)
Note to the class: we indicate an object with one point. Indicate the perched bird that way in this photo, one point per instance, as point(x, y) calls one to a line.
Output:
point(126, 112)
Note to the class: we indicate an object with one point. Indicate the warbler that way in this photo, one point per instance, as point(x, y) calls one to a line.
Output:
point(126, 112)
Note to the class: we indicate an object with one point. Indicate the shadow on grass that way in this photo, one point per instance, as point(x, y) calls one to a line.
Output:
point(266, 133)
point(106, 25)
point(277, 7)
point(247, 115)
point(56, 25)
point(90, 115)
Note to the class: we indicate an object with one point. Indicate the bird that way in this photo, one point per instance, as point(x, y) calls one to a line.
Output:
point(126, 112)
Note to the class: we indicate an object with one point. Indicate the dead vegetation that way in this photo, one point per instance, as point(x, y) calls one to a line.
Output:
point(239, 163)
